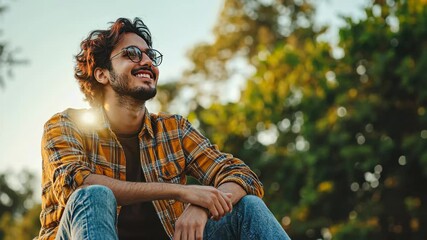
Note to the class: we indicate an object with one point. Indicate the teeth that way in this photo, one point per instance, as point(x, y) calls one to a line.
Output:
point(143, 75)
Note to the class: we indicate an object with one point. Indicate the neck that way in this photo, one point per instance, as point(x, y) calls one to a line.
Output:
point(124, 113)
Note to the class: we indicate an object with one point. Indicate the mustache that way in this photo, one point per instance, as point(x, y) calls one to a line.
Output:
point(144, 68)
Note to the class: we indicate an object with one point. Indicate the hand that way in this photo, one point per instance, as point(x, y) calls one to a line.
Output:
point(217, 202)
point(191, 224)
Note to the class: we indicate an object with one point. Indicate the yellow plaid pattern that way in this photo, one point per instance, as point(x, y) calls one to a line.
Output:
point(170, 149)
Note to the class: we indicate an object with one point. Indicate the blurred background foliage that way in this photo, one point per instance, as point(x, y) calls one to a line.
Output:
point(9, 55)
point(336, 132)
point(19, 208)
point(19, 211)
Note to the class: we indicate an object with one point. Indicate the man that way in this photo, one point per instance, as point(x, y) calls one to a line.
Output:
point(122, 174)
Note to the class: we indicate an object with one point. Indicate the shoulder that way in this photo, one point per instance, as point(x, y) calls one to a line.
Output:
point(78, 118)
point(60, 117)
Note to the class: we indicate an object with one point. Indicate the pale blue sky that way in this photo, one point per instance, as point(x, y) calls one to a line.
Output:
point(49, 33)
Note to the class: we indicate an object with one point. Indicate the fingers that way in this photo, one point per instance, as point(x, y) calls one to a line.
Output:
point(224, 208)
point(189, 234)
point(222, 204)
point(219, 208)
point(213, 209)
point(199, 233)
point(191, 224)
point(177, 234)
point(229, 203)
point(217, 202)
point(228, 200)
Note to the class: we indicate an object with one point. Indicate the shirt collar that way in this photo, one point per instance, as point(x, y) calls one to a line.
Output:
point(147, 124)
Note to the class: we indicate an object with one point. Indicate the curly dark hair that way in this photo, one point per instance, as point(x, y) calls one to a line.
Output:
point(95, 52)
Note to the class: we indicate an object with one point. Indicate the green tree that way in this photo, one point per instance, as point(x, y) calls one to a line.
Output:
point(19, 213)
point(338, 141)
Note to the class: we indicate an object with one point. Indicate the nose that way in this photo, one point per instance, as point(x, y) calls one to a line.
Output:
point(145, 60)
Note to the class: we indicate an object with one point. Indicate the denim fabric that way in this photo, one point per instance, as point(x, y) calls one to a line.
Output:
point(90, 214)
point(250, 219)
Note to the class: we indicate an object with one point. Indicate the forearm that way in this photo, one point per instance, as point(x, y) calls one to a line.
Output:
point(132, 192)
point(233, 188)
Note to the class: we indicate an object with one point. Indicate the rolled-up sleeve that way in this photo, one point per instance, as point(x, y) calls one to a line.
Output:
point(213, 167)
point(65, 163)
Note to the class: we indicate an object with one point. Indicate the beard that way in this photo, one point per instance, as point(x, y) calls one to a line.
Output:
point(120, 84)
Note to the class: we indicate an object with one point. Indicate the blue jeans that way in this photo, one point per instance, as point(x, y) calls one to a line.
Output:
point(250, 219)
point(91, 214)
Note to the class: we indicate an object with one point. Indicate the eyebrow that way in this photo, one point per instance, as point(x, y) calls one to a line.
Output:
point(143, 49)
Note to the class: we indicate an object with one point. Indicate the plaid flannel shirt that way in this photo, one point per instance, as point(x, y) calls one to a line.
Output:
point(170, 149)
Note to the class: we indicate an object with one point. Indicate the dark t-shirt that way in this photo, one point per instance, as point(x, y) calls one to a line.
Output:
point(140, 220)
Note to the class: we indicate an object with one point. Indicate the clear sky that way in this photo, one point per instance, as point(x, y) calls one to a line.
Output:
point(49, 32)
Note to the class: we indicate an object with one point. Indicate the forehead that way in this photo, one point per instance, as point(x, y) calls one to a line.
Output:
point(130, 39)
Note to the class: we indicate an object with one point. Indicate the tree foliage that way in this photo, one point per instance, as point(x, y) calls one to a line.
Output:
point(19, 214)
point(338, 141)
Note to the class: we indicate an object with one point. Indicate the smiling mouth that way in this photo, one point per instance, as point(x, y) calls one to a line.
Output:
point(144, 72)
point(143, 75)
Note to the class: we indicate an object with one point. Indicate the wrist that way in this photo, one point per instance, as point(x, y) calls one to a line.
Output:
point(205, 210)
point(178, 191)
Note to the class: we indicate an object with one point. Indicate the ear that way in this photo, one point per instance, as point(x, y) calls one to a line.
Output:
point(102, 75)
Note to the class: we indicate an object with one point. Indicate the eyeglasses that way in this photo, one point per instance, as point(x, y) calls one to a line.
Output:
point(135, 54)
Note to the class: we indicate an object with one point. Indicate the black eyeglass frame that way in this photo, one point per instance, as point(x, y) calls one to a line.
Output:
point(156, 61)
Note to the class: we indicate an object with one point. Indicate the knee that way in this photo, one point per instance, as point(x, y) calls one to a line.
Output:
point(252, 204)
point(101, 195)
point(251, 200)
point(99, 191)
